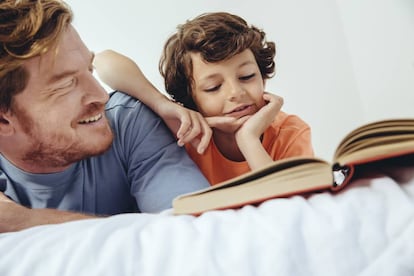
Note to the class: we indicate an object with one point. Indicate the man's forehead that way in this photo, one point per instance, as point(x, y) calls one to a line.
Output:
point(71, 40)
point(69, 48)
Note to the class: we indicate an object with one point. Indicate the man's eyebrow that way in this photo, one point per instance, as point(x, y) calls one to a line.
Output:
point(60, 76)
point(91, 61)
point(67, 73)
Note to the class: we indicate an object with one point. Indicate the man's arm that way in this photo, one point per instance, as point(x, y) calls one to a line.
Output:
point(14, 217)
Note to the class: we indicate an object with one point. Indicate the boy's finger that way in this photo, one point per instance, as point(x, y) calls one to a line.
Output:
point(185, 126)
point(190, 131)
point(204, 140)
point(218, 121)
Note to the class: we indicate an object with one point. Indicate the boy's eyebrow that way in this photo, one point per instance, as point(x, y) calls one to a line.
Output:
point(247, 62)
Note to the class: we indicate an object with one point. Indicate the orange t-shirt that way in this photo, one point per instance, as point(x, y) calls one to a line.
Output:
point(287, 136)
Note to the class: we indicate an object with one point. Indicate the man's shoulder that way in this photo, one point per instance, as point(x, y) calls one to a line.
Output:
point(120, 105)
point(126, 114)
point(120, 99)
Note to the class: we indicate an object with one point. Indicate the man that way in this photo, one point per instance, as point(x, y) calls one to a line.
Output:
point(69, 150)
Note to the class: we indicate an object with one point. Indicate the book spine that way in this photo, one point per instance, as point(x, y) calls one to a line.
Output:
point(341, 176)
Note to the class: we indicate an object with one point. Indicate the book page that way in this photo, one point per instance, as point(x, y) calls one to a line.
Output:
point(378, 139)
point(299, 179)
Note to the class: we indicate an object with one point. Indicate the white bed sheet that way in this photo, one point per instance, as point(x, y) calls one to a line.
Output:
point(367, 229)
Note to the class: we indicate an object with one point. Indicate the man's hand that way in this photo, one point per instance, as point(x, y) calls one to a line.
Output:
point(10, 214)
point(189, 126)
point(15, 217)
point(5, 199)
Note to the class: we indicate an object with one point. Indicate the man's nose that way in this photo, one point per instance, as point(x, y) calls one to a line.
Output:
point(94, 92)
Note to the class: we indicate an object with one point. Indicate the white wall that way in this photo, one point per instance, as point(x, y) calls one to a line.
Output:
point(380, 37)
point(339, 63)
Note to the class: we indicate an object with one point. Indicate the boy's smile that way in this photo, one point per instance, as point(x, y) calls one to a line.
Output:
point(232, 87)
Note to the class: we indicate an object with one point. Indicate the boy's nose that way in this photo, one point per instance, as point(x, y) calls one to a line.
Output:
point(235, 91)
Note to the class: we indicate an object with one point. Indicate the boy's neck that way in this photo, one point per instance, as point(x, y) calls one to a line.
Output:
point(227, 145)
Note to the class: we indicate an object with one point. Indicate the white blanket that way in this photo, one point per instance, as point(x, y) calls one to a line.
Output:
point(367, 229)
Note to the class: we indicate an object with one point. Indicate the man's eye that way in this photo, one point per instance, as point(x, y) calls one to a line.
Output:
point(67, 84)
point(247, 77)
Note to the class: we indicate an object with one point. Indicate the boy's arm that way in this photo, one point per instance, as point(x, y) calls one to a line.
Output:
point(121, 73)
point(248, 136)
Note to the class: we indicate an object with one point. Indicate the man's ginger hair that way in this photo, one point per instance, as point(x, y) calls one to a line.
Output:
point(28, 28)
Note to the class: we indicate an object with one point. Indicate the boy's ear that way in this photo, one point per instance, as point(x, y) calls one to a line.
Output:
point(6, 125)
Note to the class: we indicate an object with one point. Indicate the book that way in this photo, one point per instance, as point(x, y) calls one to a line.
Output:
point(370, 143)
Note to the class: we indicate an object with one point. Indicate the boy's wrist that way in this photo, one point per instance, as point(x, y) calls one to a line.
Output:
point(158, 103)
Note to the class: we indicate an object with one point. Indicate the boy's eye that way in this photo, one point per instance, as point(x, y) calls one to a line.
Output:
point(247, 77)
point(212, 89)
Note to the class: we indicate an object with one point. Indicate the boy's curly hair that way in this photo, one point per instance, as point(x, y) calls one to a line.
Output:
point(216, 36)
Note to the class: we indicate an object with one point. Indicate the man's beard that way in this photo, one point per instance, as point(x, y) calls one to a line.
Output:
point(48, 154)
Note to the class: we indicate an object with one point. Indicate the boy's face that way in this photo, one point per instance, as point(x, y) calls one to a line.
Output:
point(233, 87)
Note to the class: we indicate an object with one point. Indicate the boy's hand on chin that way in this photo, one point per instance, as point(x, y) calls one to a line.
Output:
point(261, 120)
point(226, 124)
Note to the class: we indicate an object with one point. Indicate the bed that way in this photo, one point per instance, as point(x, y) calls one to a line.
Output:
point(366, 229)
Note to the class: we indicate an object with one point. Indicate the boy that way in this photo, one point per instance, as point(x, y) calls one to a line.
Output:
point(217, 64)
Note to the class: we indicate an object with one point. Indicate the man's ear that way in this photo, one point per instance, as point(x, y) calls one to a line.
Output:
point(6, 124)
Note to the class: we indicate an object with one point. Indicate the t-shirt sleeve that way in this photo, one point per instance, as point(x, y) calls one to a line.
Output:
point(158, 170)
point(301, 144)
point(293, 138)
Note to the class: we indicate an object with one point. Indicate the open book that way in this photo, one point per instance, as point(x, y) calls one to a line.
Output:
point(379, 141)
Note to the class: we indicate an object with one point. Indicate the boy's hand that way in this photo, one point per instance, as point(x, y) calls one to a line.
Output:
point(226, 124)
point(258, 122)
point(254, 124)
point(248, 136)
point(189, 126)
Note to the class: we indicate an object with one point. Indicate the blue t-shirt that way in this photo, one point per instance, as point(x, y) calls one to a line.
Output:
point(142, 171)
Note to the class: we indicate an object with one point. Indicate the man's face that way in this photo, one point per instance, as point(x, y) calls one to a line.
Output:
point(59, 118)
